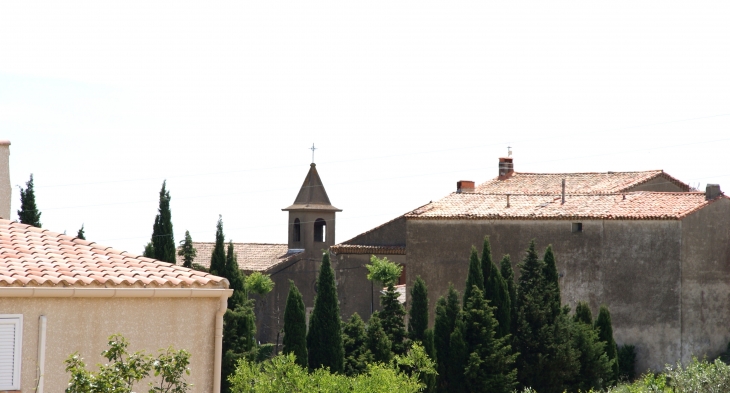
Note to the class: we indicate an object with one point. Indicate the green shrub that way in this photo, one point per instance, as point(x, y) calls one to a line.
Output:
point(627, 362)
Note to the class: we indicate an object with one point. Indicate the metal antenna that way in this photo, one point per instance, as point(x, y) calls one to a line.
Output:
point(312, 149)
point(509, 151)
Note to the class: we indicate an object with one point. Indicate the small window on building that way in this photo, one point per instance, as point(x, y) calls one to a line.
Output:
point(320, 230)
point(577, 227)
point(297, 230)
point(11, 330)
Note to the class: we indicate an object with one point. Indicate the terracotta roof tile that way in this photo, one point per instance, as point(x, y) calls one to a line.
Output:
point(642, 205)
point(251, 257)
point(32, 256)
point(357, 249)
point(575, 183)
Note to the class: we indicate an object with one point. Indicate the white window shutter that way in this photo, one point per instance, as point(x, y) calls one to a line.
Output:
point(11, 329)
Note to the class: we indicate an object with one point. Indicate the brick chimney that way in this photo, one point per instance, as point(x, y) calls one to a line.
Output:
point(5, 189)
point(464, 186)
point(712, 191)
point(506, 168)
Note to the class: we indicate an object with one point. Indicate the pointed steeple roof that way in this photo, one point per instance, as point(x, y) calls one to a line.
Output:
point(312, 195)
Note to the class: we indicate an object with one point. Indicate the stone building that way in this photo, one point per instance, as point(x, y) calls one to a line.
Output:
point(643, 243)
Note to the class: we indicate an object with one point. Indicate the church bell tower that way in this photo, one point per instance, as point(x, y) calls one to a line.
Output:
point(312, 217)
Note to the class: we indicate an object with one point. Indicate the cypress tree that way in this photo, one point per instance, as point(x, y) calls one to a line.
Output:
point(551, 277)
point(162, 236)
point(605, 334)
point(239, 342)
point(149, 250)
point(474, 277)
point(497, 293)
point(187, 251)
point(81, 235)
point(583, 314)
point(355, 344)
point(458, 356)
point(490, 365)
point(595, 368)
point(378, 343)
point(235, 279)
point(392, 317)
point(218, 257)
point(295, 326)
point(430, 348)
point(418, 315)
point(29, 213)
point(487, 267)
point(547, 360)
point(324, 339)
point(447, 310)
point(508, 275)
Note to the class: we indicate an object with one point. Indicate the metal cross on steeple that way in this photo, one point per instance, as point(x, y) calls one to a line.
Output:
point(312, 149)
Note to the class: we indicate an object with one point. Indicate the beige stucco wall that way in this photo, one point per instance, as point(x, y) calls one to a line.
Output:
point(84, 324)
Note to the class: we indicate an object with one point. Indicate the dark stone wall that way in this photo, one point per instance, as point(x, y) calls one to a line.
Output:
point(706, 281)
point(392, 233)
point(658, 184)
point(631, 266)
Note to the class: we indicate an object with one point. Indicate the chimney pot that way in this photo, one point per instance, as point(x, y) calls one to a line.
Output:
point(464, 186)
point(506, 168)
point(712, 191)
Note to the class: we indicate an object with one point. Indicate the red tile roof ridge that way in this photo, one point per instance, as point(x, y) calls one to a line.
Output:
point(652, 171)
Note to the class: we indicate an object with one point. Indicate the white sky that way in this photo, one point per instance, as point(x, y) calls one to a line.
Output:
point(103, 101)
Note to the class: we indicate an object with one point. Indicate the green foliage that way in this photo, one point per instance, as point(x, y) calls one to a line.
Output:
point(324, 339)
point(595, 367)
point(583, 314)
point(447, 310)
point(149, 251)
point(355, 343)
point(187, 251)
point(699, 376)
point(474, 277)
point(392, 317)
point(383, 270)
point(605, 334)
point(486, 266)
point(162, 235)
point(200, 268)
point(124, 370)
point(418, 315)
point(259, 283)
point(218, 257)
point(458, 357)
point(378, 342)
point(295, 326)
point(508, 274)
point(416, 364)
point(551, 279)
point(81, 235)
point(627, 362)
point(490, 363)
point(282, 374)
point(239, 340)
point(29, 213)
point(497, 292)
point(428, 345)
point(547, 360)
point(236, 279)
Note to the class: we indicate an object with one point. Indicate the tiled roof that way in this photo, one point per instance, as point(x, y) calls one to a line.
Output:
point(34, 257)
point(251, 257)
point(642, 205)
point(575, 183)
point(356, 249)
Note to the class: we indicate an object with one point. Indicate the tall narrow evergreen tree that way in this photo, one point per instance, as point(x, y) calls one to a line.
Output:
point(458, 356)
point(430, 348)
point(295, 326)
point(583, 314)
point(551, 278)
point(508, 275)
point(324, 339)
point(236, 280)
point(487, 267)
point(218, 257)
point(81, 235)
point(447, 310)
point(239, 341)
point(605, 334)
point(392, 314)
point(418, 315)
point(187, 251)
point(378, 343)
point(490, 364)
point(547, 361)
point(162, 236)
point(149, 250)
point(474, 276)
point(355, 343)
point(29, 213)
point(497, 293)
